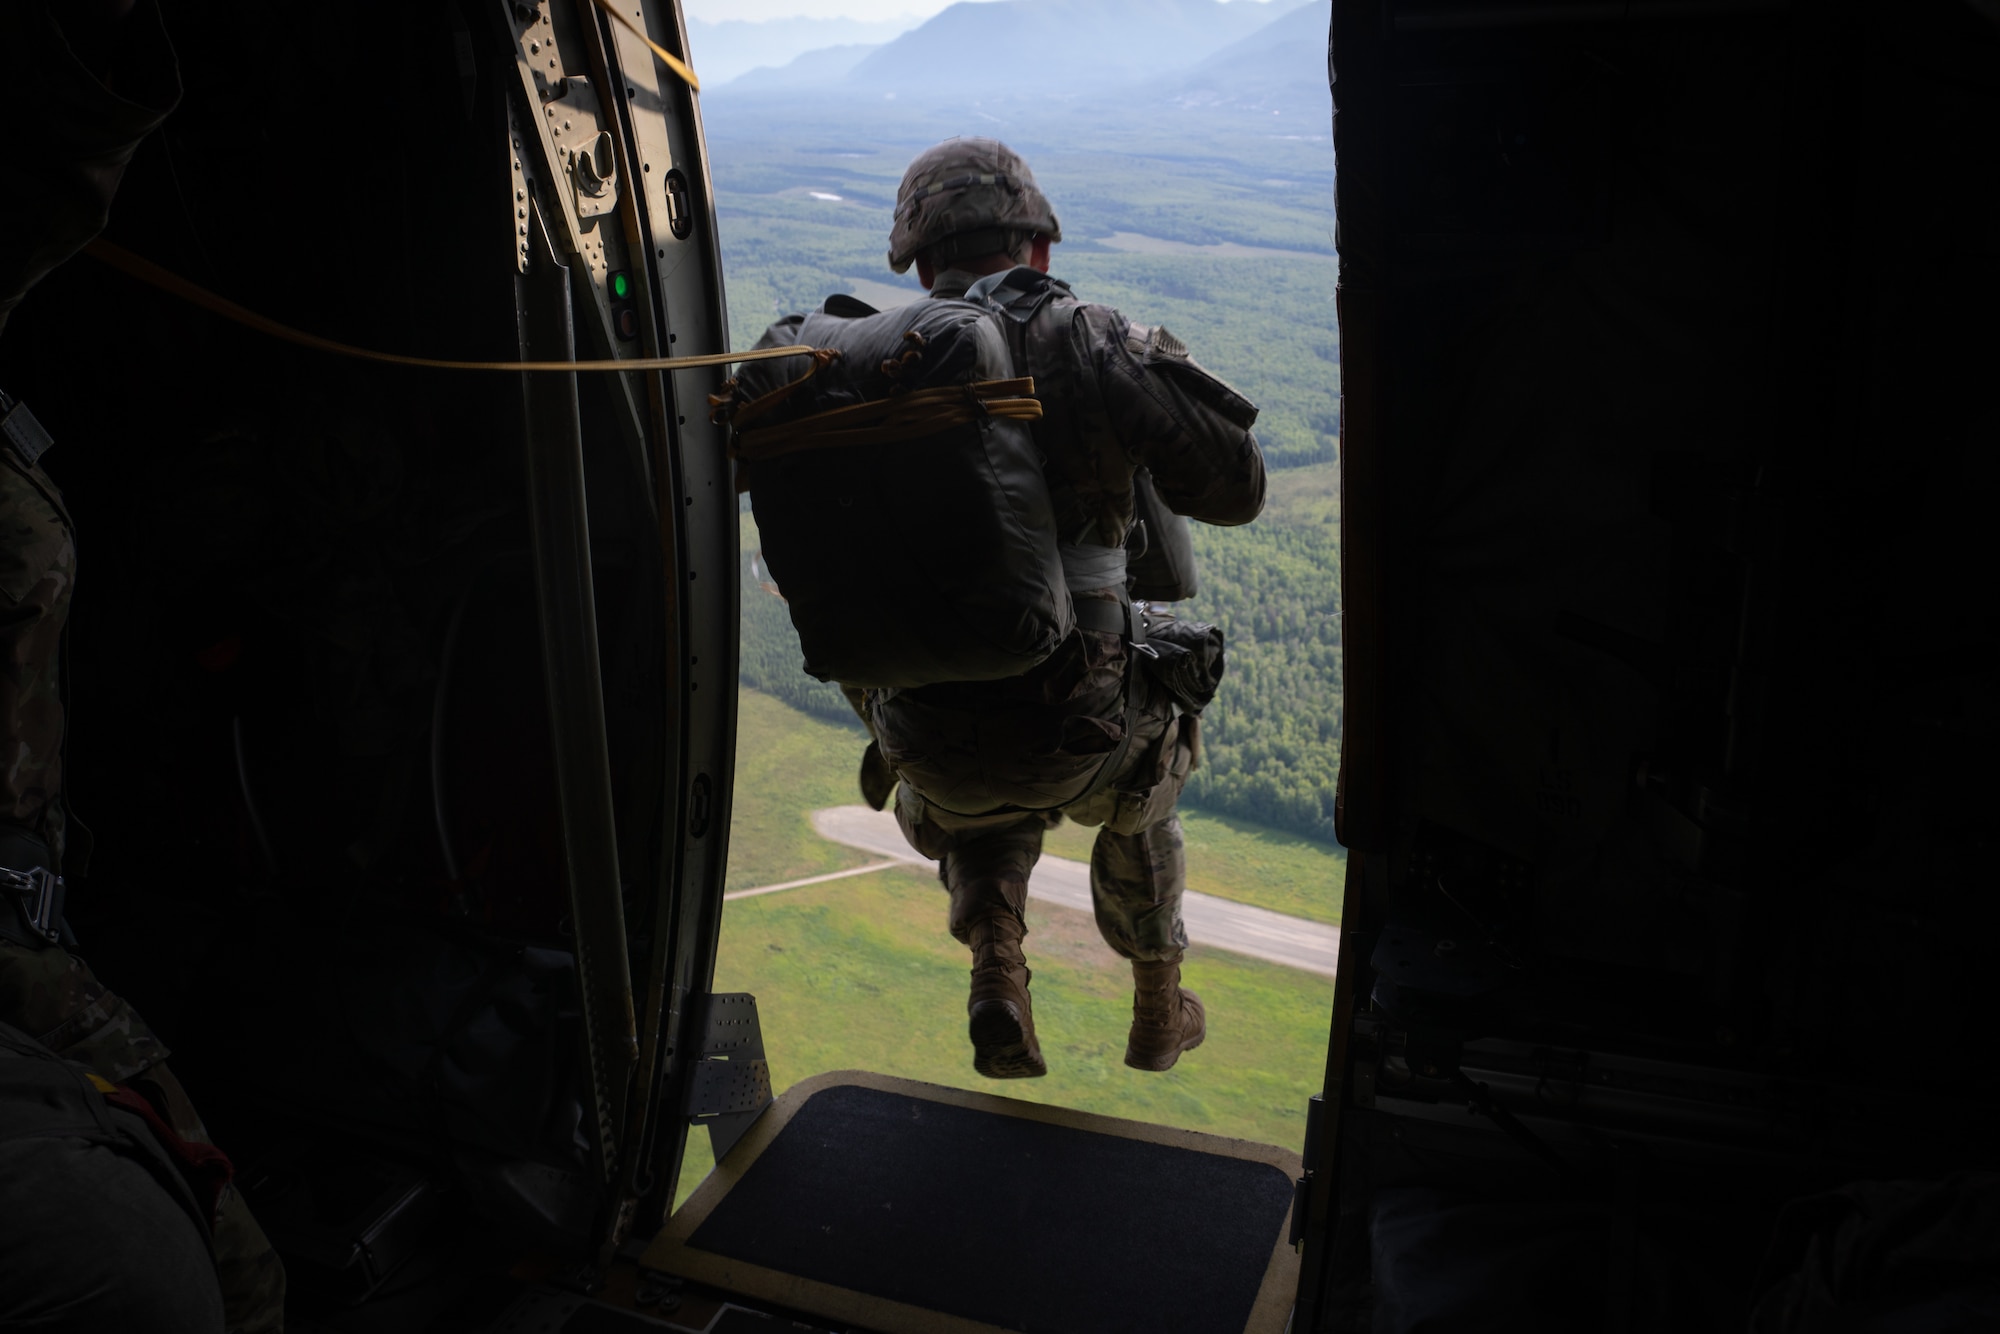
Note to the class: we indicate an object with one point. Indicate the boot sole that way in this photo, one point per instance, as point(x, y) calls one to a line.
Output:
point(1000, 1047)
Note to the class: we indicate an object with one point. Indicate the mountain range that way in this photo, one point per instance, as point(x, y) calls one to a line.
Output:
point(812, 69)
point(1193, 52)
point(1281, 67)
point(725, 50)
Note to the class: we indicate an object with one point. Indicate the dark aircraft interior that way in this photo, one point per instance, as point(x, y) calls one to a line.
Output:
point(1666, 467)
point(403, 699)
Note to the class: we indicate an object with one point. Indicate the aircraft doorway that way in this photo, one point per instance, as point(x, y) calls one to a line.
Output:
point(830, 919)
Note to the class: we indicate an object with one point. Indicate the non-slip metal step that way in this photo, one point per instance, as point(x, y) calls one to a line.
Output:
point(909, 1208)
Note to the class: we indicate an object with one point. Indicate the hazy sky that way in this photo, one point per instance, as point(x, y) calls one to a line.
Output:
point(714, 11)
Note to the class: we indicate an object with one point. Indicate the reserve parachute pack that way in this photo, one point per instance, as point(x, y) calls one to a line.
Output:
point(900, 497)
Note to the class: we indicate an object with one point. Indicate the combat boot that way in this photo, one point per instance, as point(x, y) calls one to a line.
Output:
point(1166, 1020)
point(1003, 1022)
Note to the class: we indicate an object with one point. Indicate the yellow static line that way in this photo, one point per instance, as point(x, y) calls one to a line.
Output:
point(667, 58)
point(148, 272)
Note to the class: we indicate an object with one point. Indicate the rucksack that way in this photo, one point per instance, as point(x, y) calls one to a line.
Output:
point(45, 1096)
point(900, 498)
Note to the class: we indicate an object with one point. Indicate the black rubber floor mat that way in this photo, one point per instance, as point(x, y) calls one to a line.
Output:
point(906, 1207)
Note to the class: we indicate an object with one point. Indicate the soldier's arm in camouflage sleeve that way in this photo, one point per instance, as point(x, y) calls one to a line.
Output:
point(1188, 428)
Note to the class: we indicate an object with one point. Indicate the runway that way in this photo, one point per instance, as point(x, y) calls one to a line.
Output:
point(1213, 922)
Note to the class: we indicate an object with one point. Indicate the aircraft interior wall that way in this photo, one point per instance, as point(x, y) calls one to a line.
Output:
point(309, 715)
point(1667, 460)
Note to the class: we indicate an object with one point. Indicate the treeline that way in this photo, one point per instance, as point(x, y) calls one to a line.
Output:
point(1271, 739)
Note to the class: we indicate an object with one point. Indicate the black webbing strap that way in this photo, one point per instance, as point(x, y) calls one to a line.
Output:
point(1115, 761)
point(1123, 617)
point(1090, 569)
point(1106, 618)
point(1093, 569)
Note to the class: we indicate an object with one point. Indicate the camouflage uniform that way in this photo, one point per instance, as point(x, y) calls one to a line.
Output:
point(58, 182)
point(37, 574)
point(987, 767)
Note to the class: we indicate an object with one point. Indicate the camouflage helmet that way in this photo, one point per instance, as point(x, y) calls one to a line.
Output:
point(977, 190)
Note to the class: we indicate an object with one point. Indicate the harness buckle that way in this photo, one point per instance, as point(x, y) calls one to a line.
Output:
point(1137, 610)
point(19, 428)
point(38, 895)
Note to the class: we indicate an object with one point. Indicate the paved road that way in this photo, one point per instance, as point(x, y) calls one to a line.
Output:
point(1217, 923)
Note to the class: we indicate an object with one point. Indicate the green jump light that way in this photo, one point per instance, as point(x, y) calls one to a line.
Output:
point(621, 285)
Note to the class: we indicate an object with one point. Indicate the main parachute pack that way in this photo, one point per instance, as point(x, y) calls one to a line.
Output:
point(900, 496)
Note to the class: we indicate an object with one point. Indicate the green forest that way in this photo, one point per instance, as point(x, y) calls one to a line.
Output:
point(802, 220)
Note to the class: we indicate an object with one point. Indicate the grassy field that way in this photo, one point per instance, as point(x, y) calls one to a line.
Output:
point(788, 765)
point(861, 974)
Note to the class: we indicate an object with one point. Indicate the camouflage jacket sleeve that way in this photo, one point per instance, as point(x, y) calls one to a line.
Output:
point(69, 134)
point(1188, 428)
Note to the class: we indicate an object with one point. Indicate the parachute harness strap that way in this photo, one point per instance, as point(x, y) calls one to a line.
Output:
point(883, 421)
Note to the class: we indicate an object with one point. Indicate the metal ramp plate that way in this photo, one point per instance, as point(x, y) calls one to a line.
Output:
point(907, 1208)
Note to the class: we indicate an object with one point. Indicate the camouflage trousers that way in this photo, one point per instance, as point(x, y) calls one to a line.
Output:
point(1138, 870)
point(52, 996)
